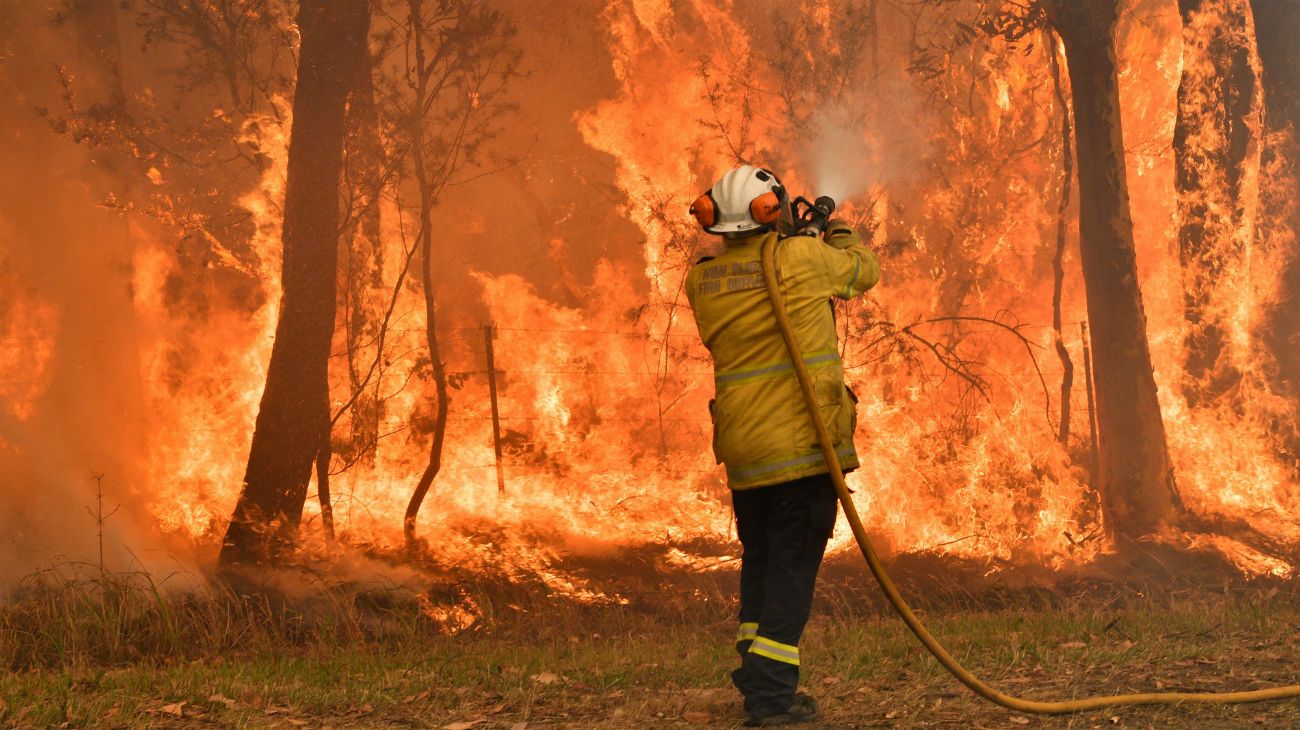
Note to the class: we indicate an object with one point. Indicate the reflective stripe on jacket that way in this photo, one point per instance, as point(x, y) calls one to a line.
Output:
point(761, 429)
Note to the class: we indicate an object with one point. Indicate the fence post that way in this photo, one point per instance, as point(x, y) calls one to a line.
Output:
point(1092, 407)
point(496, 414)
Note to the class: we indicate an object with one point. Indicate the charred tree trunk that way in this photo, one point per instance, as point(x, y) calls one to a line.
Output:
point(1277, 28)
point(1216, 142)
point(459, 58)
point(430, 182)
point(439, 370)
point(287, 437)
point(1058, 260)
point(324, 456)
point(1136, 480)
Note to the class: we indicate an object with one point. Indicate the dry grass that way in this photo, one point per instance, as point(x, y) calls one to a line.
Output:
point(115, 651)
point(61, 619)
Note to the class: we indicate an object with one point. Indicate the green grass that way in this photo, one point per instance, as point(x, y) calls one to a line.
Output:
point(115, 653)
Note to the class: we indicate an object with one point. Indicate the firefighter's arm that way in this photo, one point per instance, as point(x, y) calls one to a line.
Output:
point(851, 267)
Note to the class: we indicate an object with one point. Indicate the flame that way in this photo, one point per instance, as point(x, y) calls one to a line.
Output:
point(207, 374)
point(602, 397)
point(26, 349)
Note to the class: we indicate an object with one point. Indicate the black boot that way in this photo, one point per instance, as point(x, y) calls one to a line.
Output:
point(803, 709)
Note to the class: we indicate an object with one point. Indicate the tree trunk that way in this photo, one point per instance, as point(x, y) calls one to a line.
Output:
point(1136, 480)
point(434, 464)
point(324, 456)
point(459, 58)
point(1277, 28)
point(1058, 259)
point(430, 176)
point(288, 431)
point(1216, 141)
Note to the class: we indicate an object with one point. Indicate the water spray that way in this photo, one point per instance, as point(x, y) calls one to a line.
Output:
point(812, 221)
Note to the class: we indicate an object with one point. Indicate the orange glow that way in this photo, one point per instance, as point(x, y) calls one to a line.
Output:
point(603, 393)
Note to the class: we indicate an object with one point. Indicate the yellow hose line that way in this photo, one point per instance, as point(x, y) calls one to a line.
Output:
point(977, 685)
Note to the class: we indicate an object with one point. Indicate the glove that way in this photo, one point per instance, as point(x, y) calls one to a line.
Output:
point(840, 234)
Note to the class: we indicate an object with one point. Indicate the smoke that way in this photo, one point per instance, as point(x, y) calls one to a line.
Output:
point(71, 397)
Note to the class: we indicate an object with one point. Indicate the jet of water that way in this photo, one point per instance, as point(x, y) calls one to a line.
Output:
point(839, 160)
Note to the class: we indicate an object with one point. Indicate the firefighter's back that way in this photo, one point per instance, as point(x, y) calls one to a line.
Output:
point(761, 432)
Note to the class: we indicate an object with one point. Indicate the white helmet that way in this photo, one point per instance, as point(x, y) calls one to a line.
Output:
point(747, 198)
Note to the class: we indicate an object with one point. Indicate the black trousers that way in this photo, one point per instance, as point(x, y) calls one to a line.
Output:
point(783, 529)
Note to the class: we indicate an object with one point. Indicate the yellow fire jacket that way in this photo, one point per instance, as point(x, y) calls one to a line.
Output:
point(761, 429)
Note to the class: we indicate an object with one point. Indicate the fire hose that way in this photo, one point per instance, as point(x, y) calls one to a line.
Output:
point(817, 219)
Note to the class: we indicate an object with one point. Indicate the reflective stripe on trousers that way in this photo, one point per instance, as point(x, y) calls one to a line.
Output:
point(775, 650)
point(747, 631)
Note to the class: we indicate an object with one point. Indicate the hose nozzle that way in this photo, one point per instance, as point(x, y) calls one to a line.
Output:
point(815, 215)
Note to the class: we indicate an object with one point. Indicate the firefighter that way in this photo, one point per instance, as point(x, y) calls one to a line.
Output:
point(784, 500)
